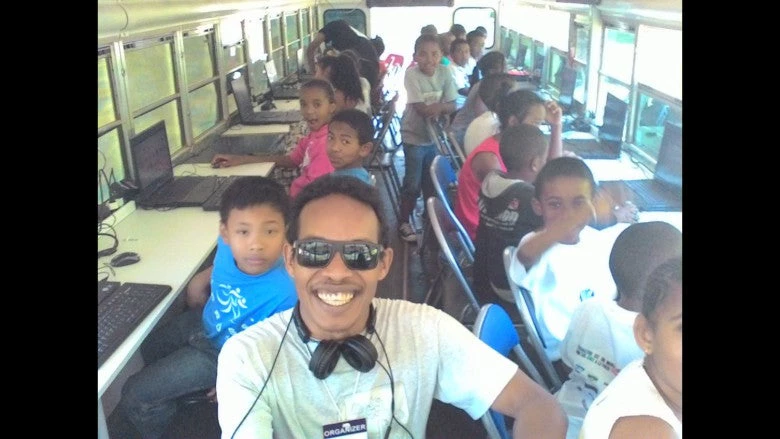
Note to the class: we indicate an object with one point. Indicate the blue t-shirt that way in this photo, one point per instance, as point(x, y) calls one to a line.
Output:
point(360, 173)
point(239, 300)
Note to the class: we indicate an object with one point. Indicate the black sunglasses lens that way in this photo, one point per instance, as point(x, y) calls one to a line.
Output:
point(361, 256)
point(357, 256)
point(314, 253)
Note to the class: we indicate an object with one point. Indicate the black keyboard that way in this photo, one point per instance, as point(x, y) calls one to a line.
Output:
point(216, 198)
point(105, 288)
point(121, 312)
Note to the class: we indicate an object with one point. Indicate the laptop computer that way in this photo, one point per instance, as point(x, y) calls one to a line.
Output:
point(610, 137)
point(249, 116)
point(154, 173)
point(664, 191)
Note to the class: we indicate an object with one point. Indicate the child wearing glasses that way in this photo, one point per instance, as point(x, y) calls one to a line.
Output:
point(350, 139)
point(343, 361)
point(248, 282)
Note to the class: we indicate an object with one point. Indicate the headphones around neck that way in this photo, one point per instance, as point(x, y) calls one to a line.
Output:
point(358, 350)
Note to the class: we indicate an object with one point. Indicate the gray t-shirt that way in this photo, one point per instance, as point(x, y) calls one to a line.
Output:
point(431, 355)
point(427, 89)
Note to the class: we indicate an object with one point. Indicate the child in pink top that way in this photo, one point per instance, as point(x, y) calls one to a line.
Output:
point(318, 104)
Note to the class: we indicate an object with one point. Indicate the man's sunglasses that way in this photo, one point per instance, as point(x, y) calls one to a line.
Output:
point(317, 253)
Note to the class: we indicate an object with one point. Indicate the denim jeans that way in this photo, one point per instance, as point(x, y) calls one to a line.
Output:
point(417, 175)
point(179, 360)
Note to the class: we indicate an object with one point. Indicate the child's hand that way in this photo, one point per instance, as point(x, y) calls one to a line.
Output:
point(554, 113)
point(627, 213)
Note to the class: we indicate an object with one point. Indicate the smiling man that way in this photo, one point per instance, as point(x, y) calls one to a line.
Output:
point(344, 361)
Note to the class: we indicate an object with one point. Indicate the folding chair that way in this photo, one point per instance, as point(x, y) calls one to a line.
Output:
point(441, 139)
point(454, 251)
point(382, 158)
point(525, 307)
point(494, 327)
point(445, 182)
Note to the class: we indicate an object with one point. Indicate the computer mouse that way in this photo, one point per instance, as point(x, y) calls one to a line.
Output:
point(126, 258)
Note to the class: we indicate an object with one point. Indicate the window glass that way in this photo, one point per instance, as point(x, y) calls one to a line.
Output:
point(276, 33)
point(617, 56)
point(355, 17)
point(170, 114)
point(652, 113)
point(306, 30)
point(557, 63)
point(149, 74)
point(105, 106)
point(659, 59)
point(109, 160)
point(233, 56)
point(291, 27)
point(582, 25)
point(470, 18)
point(204, 108)
point(198, 57)
point(255, 39)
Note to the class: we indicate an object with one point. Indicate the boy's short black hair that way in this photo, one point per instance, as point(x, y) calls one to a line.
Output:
point(472, 35)
point(517, 103)
point(659, 283)
point(638, 250)
point(520, 144)
point(429, 29)
point(358, 121)
point(252, 191)
point(344, 185)
point(457, 42)
point(457, 29)
point(482, 30)
point(563, 167)
point(425, 38)
point(322, 85)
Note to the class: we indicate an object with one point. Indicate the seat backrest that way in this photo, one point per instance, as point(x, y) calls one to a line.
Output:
point(525, 307)
point(494, 327)
point(441, 139)
point(445, 181)
point(451, 244)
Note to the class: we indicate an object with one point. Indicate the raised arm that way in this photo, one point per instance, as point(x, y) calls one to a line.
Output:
point(555, 119)
point(536, 412)
point(312, 48)
point(534, 244)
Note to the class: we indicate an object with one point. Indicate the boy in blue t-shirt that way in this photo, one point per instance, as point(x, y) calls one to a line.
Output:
point(248, 283)
point(350, 139)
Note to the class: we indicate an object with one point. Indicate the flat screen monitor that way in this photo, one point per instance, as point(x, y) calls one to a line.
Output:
point(522, 49)
point(151, 157)
point(614, 120)
point(506, 49)
point(568, 82)
point(668, 168)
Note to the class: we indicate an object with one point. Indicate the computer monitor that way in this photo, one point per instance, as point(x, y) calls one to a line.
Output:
point(151, 156)
point(260, 83)
point(522, 49)
point(614, 120)
point(668, 168)
point(506, 49)
point(568, 82)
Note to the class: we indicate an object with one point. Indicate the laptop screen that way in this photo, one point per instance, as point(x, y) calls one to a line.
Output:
point(568, 81)
point(668, 169)
point(614, 119)
point(151, 157)
point(241, 95)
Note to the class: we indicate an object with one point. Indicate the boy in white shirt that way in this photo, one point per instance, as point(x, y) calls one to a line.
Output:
point(600, 340)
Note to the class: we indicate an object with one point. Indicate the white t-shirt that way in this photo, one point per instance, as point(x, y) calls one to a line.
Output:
point(431, 355)
point(631, 393)
point(564, 276)
point(482, 127)
point(599, 343)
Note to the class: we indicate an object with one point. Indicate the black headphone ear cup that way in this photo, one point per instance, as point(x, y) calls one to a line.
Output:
point(359, 352)
point(324, 358)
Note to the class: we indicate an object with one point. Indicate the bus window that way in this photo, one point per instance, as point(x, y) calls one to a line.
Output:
point(471, 17)
point(355, 17)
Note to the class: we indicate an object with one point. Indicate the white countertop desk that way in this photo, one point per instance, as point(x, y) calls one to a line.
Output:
point(172, 244)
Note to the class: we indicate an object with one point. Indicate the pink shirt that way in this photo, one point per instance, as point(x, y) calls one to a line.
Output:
point(466, 205)
point(311, 156)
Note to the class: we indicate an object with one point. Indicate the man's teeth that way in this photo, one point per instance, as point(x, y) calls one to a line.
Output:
point(336, 299)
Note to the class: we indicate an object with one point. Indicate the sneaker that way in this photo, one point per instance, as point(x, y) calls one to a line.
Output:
point(407, 232)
